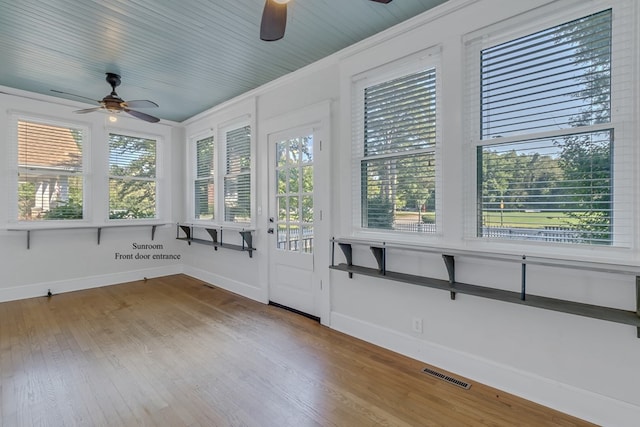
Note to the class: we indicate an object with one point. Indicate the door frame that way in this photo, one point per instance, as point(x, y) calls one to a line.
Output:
point(318, 117)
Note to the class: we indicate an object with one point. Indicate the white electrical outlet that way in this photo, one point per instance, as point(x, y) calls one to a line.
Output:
point(417, 325)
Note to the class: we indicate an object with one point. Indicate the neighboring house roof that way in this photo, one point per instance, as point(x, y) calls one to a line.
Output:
point(45, 146)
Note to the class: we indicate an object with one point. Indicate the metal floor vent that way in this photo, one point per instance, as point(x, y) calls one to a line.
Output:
point(447, 378)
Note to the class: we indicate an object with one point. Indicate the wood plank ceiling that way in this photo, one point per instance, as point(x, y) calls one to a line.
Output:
point(186, 55)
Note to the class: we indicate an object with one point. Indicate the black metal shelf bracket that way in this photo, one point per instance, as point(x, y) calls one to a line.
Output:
point(638, 301)
point(187, 232)
point(523, 285)
point(348, 254)
point(380, 255)
point(247, 242)
point(214, 237)
point(450, 263)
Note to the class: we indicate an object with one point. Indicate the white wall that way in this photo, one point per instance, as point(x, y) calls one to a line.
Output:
point(66, 260)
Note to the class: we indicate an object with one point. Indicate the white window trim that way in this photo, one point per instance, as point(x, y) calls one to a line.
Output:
point(424, 59)
point(623, 107)
point(192, 163)
point(161, 164)
point(218, 132)
point(12, 158)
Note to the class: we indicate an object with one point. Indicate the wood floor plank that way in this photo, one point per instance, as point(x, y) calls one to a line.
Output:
point(173, 352)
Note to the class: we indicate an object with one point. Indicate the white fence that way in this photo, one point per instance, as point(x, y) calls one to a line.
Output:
point(420, 227)
point(546, 234)
point(294, 243)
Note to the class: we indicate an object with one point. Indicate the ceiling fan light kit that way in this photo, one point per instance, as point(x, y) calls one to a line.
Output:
point(274, 19)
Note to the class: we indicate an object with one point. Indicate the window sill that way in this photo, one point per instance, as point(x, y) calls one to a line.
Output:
point(380, 249)
point(223, 226)
point(216, 234)
point(532, 256)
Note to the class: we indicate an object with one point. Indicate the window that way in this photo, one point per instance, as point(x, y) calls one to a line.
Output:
point(237, 178)
point(132, 177)
point(204, 190)
point(545, 150)
point(221, 164)
point(396, 125)
point(50, 171)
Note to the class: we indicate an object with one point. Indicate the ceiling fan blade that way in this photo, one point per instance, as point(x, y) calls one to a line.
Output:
point(73, 94)
point(141, 103)
point(88, 110)
point(274, 21)
point(142, 116)
point(382, 1)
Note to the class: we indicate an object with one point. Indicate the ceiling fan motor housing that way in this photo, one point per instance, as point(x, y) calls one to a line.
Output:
point(112, 102)
point(113, 79)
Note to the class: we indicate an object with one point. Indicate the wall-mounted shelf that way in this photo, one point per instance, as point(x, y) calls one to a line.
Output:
point(98, 229)
point(379, 251)
point(216, 241)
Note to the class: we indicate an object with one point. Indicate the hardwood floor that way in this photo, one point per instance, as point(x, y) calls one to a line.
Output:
point(173, 352)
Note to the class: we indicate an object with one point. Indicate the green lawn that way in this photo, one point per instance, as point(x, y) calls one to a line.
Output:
point(414, 216)
point(509, 219)
point(527, 219)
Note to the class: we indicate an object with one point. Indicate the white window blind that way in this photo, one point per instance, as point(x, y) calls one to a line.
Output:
point(546, 156)
point(237, 178)
point(558, 78)
point(204, 183)
point(397, 159)
point(132, 177)
point(50, 172)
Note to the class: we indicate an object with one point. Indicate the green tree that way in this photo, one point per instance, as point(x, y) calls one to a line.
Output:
point(71, 207)
point(586, 164)
point(516, 177)
point(204, 182)
point(379, 211)
point(586, 158)
point(68, 209)
point(26, 199)
point(132, 167)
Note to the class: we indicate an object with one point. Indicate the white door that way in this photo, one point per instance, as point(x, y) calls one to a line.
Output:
point(291, 220)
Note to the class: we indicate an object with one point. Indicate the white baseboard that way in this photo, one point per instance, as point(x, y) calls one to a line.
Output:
point(77, 284)
point(580, 403)
point(225, 283)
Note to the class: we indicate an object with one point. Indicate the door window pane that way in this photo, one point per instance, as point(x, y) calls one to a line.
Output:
point(294, 194)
